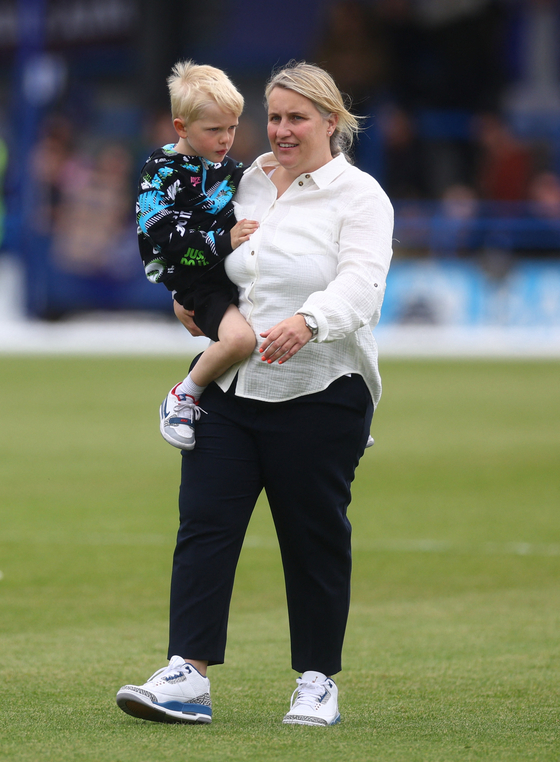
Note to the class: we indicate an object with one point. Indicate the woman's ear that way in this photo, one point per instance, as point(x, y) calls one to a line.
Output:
point(332, 121)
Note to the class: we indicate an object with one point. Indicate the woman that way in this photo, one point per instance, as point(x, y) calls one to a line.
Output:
point(294, 418)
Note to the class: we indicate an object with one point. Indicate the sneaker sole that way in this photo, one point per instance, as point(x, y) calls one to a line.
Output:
point(311, 721)
point(135, 706)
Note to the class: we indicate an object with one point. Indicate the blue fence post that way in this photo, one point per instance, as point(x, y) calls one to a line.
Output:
point(27, 110)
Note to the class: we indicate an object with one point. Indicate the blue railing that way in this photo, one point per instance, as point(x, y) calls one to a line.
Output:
point(448, 229)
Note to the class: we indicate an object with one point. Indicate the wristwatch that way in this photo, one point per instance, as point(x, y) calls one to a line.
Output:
point(311, 323)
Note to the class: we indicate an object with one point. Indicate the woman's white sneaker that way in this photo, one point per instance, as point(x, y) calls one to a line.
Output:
point(176, 693)
point(314, 701)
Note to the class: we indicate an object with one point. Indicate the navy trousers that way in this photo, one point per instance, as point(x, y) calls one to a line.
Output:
point(303, 453)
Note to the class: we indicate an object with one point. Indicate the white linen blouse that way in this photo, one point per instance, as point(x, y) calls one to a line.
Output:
point(323, 248)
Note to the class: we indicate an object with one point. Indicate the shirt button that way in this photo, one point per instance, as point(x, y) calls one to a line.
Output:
point(300, 182)
point(252, 253)
point(307, 177)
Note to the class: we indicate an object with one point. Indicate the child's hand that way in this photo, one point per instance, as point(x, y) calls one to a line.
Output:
point(242, 231)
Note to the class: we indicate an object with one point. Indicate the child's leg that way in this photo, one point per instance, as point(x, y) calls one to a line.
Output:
point(178, 413)
point(236, 342)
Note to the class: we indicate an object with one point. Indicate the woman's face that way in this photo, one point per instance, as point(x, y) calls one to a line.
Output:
point(299, 135)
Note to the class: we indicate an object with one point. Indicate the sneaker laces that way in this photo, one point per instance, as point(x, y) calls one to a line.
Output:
point(307, 693)
point(188, 405)
point(173, 666)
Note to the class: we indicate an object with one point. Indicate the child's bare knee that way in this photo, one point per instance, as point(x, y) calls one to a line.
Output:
point(242, 343)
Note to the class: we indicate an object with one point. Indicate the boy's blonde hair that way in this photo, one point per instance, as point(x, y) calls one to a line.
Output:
point(320, 88)
point(192, 87)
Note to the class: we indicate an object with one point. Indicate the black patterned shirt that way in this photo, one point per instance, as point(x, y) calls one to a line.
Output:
point(184, 213)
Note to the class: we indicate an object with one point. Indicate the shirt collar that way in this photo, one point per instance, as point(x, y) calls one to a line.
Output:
point(193, 158)
point(330, 171)
point(322, 177)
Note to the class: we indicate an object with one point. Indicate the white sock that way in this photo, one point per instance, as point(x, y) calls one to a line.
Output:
point(189, 387)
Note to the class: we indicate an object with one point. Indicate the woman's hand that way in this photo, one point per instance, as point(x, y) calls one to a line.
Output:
point(242, 231)
point(284, 340)
point(186, 318)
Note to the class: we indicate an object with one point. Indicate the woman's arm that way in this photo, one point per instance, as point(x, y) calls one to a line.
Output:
point(354, 297)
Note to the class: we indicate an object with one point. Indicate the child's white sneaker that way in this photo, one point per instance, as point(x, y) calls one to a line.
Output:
point(178, 413)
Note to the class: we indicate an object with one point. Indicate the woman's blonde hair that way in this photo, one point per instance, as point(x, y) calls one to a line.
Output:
point(320, 88)
point(193, 86)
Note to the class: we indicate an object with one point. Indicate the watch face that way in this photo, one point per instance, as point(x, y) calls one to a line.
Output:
point(311, 323)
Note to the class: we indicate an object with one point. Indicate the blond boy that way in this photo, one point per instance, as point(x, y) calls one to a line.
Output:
point(186, 228)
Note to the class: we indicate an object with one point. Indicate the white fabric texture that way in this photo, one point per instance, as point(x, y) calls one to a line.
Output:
point(323, 248)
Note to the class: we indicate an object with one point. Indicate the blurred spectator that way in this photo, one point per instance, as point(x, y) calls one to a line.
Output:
point(159, 131)
point(544, 193)
point(413, 225)
point(506, 163)
point(404, 173)
point(95, 215)
point(544, 206)
point(404, 46)
point(246, 146)
point(459, 202)
point(443, 54)
point(444, 65)
point(55, 165)
point(455, 228)
point(354, 50)
point(460, 65)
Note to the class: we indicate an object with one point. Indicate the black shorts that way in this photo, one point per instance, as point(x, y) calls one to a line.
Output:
point(210, 298)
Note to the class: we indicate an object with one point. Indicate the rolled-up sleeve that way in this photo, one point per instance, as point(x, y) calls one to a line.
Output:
point(354, 298)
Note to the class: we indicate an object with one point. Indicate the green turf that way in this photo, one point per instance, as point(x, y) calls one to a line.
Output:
point(452, 650)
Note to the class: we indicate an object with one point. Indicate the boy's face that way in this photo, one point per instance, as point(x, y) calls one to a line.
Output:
point(211, 136)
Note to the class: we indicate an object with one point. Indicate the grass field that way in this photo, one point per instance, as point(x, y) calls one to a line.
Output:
point(453, 647)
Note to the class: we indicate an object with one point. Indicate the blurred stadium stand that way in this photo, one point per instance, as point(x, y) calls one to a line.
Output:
point(461, 108)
